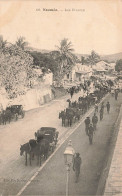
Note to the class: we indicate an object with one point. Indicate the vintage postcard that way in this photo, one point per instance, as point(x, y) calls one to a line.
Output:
point(60, 97)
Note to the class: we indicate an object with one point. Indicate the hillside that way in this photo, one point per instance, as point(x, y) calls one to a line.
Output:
point(38, 50)
point(110, 58)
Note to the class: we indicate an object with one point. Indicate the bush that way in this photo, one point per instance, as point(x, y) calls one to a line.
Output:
point(118, 66)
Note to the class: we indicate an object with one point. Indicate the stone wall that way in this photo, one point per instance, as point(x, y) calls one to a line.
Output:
point(32, 99)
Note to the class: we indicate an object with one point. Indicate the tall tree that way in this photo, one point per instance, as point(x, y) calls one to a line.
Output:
point(65, 57)
point(21, 42)
point(118, 66)
point(3, 44)
point(16, 71)
point(93, 58)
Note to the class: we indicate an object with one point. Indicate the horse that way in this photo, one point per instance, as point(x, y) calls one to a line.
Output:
point(69, 116)
point(77, 113)
point(62, 115)
point(26, 148)
point(38, 150)
point(5, 117)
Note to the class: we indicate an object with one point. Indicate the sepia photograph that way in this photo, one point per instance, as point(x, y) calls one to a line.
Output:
point(60, 97)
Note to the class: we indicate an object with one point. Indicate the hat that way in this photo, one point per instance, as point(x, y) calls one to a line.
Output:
point(77, 154)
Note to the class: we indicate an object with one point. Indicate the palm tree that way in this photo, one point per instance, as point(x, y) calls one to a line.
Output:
point(3, 44)
point(21, 42)
point(93, 58)
point(65, 56)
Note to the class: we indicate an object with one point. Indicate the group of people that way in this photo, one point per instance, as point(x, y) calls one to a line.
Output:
point(91, 124)
point(76, 89)
point(90, 128)
point(78, 108)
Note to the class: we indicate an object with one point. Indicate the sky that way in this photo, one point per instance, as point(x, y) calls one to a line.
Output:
point(96, 25)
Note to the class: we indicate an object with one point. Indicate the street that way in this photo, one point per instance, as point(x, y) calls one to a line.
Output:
point(60, 97)
point(12, 165)
point(14, 174)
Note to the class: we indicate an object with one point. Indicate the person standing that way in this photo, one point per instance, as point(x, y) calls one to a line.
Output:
point(101, 114)
point(116, 94)
point(87, 123)
point(102, 106)
point(76, 166)
point(90, 133)
point(108, 107)
point(94, 121)
point(71, 92)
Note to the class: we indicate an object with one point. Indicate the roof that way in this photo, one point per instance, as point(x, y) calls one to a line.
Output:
point(102, 66)
point(79, 68)
point(102, 63)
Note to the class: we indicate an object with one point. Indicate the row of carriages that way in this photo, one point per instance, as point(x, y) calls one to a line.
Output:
point(76, 109)
point(11, 113)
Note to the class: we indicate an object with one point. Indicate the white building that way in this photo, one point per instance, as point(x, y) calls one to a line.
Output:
point(79, 73)
point(103, 67)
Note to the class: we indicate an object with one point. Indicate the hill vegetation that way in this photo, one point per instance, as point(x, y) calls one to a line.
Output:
point(112, 58)
point(17, 61)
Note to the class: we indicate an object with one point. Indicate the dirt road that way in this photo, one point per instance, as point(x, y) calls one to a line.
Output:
point(12, 135)
point(13, 172)
point(52, 179)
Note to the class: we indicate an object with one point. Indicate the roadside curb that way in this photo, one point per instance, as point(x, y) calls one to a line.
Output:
point(107, 165)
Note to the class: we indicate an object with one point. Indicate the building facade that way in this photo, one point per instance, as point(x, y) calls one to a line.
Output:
point(79, 73)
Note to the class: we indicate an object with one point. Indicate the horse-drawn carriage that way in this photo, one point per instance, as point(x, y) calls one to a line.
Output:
point(48, 133)
point(16, 111)
point(45, 140)
point(12, 112)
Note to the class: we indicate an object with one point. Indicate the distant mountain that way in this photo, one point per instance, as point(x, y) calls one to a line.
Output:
point(38, 50)
point(112, 57)
point(109, 58)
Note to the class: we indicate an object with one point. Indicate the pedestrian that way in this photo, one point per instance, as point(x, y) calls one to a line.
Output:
point(90, 133)
point(71, 92)
point(76, 166)
point(102, 106)
point(94, 121)
point(116, 95)
point(108, 107)
point(101, 114)
point(87, 123)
